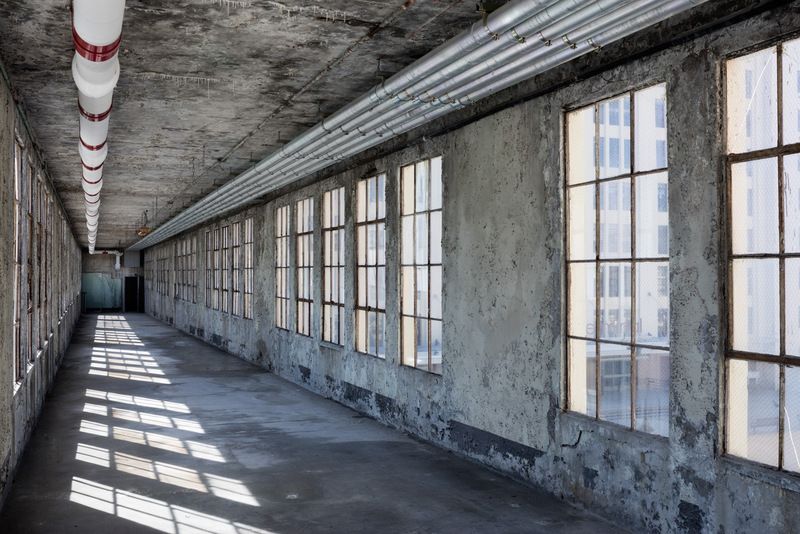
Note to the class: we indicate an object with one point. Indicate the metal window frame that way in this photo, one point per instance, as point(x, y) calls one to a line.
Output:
point(414, 265)
point(248, 244)
point(779, 152)
point(631, 260)
point(225, 268)
point(215, 300)
point(236, 266)
point(283, 226)
point(209, 267)
point(329, 233)
point(304, 264)
point(368, 222)
point(19, 359)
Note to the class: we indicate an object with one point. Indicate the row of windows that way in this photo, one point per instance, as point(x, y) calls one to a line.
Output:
point(46, 261)
point(229, 268)
point(421, 265)
point(186, 269)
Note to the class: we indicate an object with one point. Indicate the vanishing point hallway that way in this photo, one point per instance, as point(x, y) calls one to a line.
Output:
point(150, 430)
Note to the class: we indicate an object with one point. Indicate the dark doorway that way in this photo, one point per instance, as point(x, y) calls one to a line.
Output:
point(133, 296)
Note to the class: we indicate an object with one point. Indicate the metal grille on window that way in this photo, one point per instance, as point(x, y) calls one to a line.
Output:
point(333, 266)
point(224, 272)
point(304, 212)
point(248, 268)
point(618, 261)
point(421, 265)
point(236, 266)
point(282, 266)
point(371, 265)
point(763, 349)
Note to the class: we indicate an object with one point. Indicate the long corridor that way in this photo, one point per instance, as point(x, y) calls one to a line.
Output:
point(150, 430)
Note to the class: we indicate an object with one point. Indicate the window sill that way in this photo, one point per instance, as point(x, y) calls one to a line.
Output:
point(607, 429)
point(423, 371)
point(331, 346)
point(766, 474)
point(375, 356)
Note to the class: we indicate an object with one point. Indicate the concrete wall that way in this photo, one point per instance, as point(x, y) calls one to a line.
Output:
point(501, 397)
point(21, 401)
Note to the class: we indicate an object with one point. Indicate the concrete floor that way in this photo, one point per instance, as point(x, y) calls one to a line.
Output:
point(150, 430)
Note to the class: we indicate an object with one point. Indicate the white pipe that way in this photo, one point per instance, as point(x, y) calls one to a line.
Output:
point(294, 161)
point(96, 33)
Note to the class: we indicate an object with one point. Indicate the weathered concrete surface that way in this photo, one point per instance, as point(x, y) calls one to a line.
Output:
point(225, 447)
point(21, 400)
point(500, 399)
point(208, 87)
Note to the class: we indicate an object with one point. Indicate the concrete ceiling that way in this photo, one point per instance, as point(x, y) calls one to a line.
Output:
point(208, 88)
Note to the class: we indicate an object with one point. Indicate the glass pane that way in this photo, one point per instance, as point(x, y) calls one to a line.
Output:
point(372, 340)
point(582, 393)
point(436, 346)
point(753, 411)
point(615, 136)
point(582, 299)
point(361, 330)
point(792, 273)
point(755, 305)
point(422, 291)
point(372, 198)
point(754, 205)
point(382, 287)
point(362, 286)
point(615, 302)
point(751, 98)
point(791, 202)
point(615, 221)
point(361, 211)
point(582, 222)
point(652, 391)
point(422, 343)
point(652, 303)
point(422, 185)
point(651, 128)
point(408, 341)
point(421, 239)
point(407, 256)
point(372, 244)
point(436, 183)
point(791, 421)
point(372, 287)
point(408, 190)
point(381, 335)
point(436, 237)
point(581, 146)
point(381, 197)
point(615, 383)
point(791, 92)
point(408, 290)
point(436, 292)
point(652, 216)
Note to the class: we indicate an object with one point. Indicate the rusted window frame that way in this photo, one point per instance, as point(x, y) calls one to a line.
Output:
point(217, 270)
point(19, 358)
point(248, 250)
point(225, 268)
point(779, 152)
point(304, 267)
point(334, 266)
point(371, 219)
point(598, 261)
point(428, 318)
point(283, 226)
point(209, 268)
point(236, 269)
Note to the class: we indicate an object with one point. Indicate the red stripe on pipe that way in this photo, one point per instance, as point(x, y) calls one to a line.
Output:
point(91, 168)
point(89, 201)
point(93, 52)
point(93, 117)
point(94, 147)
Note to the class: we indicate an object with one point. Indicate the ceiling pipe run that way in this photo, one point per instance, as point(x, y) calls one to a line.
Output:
point(517, 42)
point(96, 34)
point(116, 253)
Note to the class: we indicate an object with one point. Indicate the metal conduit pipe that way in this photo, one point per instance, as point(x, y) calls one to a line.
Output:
point(569, 51)
point(497, 23)
point(530, 27)
point(350, 144)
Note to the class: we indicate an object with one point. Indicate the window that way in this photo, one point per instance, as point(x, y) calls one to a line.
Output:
point(217, 270)
point(304, 211)
point(333, 266)
point(618, 352)
point(282, 266)
point(209, 268)
point(763, 347)
point(248, 268)
point(224, 274)
point(236, 265)
point(19, 357)
point(663, 198)
point(421, 265)
point(371, 266)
